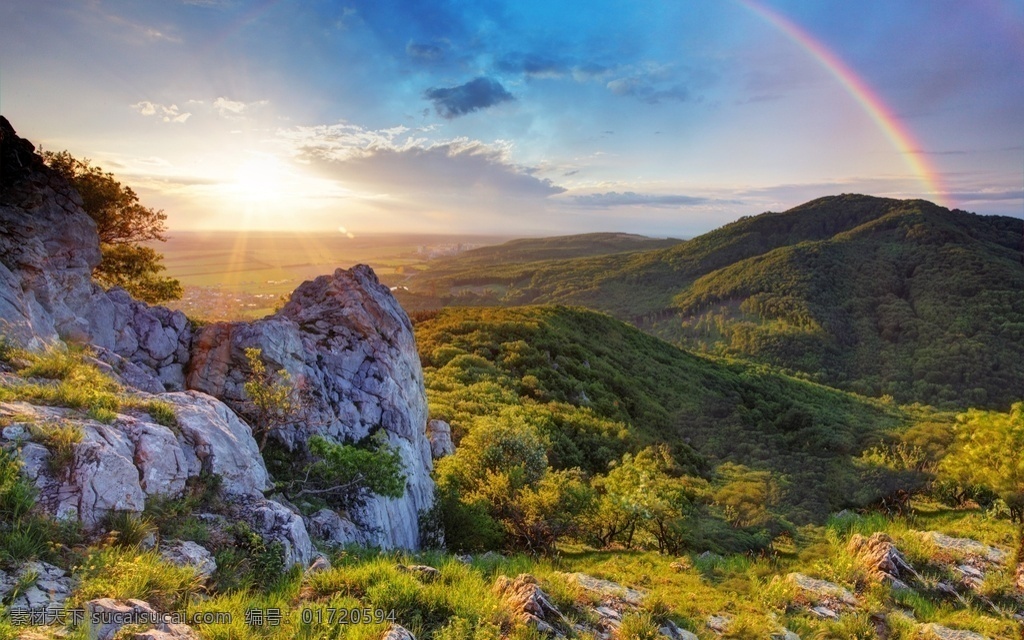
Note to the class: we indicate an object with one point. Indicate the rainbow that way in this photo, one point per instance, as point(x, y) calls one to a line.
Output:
point(870, 101)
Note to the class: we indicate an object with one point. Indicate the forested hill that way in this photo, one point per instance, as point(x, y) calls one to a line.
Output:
point(881, 296)
point(596, 388)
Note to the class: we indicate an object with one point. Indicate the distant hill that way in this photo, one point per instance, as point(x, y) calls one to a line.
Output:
point(599, 387)
point(554, 248)
point(882, 296)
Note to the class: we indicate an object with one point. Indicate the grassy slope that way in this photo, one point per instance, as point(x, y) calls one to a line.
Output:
point(877, 295)
point(609, 387)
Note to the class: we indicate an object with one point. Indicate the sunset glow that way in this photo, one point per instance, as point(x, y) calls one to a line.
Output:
point(667, 119)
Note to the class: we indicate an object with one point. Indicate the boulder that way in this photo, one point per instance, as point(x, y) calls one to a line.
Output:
point(103, 477)
point(348, 345)
point(422, 572)
point(966, 547)
point(319, 565)
point(882, 559)
point(216, 441)
point(439, 433)
point(719, 623)
point(168, 631)
point(607, 589)
point(528, 602)
point(330, 527)
point(275, 522)
point(104, 617)
point(185, 553)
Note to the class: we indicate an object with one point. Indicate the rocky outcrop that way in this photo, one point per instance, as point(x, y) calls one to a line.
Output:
point(349, 347)
point(882, 559)
point(48, 250)
point(824, 599)
point(148, 347)
point(607, 590)
point(967, 548)
point(439, 433)
point(49, 587)
point(343, 338)
point(105, 617)
point(528, 602)
point(185, 553)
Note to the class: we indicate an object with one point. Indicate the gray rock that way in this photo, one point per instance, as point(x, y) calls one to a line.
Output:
point(967, 547)
point(822, 590)
point(320, 564)
point(273, 521)
point(422, 572)
point(104, 617)
point(159, 457)
point(215, 440)
point(48, 248)
point(439, 433)
point(169, 631)
point(330, 527)
point(345, 340)
point(824, 612)
point(673, 632)
point(185, 553)
point(102, 479)
point(49, 588)
point(398, 632)
point(608, 589)
point(16, 431)
point(719, 623)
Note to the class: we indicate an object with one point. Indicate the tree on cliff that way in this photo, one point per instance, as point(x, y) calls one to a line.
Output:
point(123, 223)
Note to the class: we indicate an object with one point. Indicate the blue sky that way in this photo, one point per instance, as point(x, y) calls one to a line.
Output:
point(666, 118)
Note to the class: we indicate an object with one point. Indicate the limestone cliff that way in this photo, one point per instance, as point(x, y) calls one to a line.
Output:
point(349, 346)
point(342, 337)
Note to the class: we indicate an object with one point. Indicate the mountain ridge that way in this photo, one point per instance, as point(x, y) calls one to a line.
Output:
point(815, 289)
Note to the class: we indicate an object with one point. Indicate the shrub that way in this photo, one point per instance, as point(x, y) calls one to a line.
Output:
point(128, 529)
point(61, 439)
point(162, 413)
point(124, 572)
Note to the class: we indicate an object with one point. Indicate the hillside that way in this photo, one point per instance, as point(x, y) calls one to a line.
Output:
point(880, 296)
point(598, 388)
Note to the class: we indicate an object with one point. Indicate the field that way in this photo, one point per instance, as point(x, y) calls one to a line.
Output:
point(239, 275)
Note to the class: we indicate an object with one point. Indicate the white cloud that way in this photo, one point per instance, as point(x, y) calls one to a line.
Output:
point(233, 108)
point(168, 113)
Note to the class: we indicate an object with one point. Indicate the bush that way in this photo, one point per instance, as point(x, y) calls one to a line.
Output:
point(124, 572)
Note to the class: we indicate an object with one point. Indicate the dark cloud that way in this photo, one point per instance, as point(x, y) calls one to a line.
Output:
point(423, 51)
point(532, 65)
point(450, 169)
point(480, 93)
point(647, 90)
point(629, 198)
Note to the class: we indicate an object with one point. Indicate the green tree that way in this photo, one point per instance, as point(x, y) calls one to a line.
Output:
point(987, 453)
point(273, 399)
point(499, 476)
point(122, 223)
point(647, 493)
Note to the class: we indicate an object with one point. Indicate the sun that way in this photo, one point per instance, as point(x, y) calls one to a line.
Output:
point(260, 178)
